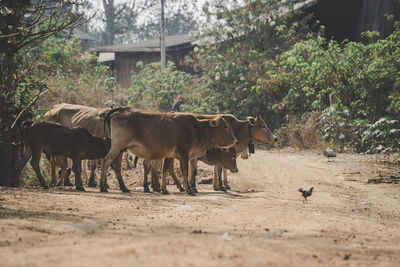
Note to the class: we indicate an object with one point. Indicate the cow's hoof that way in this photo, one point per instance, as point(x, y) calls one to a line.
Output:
point(125, 190)
point(181, 189)
point(80, 188)
point(68, 184)
point(108, 187)
point(191, 193)
point(165, 192)
point(46, 187)
point(194, 190)
point(227, 187)
point(103, 189)
point(219, 189)
point(158, 190)
point(92, 184)
point(146, 190)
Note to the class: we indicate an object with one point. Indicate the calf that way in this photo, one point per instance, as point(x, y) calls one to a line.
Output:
point(54, 139)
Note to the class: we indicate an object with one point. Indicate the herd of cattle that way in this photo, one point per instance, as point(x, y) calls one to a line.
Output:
point(87, 133)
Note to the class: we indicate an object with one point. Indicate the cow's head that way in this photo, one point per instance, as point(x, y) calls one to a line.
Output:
point(223, 157)
point(259, 131)
point(222, 133)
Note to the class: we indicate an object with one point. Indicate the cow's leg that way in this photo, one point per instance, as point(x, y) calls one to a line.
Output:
point(155, 175)
point(146, 170)
point(224, 171)
point(64, 166)
point(217, 179)
point(184, 162)
point(67, 181)
point(77, 168)
point(92, 181)
point(193, 173)
point(36, 154)
point(110, 157)
point(116, 165)
point(135, 161)
point(125, 158)
point(166, 166)
point(175, 178)
point(84, 171)
point(53, 171)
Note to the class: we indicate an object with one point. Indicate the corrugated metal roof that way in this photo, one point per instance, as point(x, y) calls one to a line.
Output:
point(106, 56)
point(149, 46)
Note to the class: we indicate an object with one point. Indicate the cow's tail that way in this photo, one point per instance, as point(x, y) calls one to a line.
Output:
point(107, 124)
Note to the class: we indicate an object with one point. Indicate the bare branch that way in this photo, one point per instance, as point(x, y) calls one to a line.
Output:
point(27, 107)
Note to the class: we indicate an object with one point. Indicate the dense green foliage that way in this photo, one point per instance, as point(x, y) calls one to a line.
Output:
point(73, 75)
point(155, 90)
point(277, 60)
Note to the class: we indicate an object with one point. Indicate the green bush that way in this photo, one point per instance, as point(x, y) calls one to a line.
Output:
point(153, 89)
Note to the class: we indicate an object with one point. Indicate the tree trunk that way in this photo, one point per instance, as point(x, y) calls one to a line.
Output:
point(12, 161)
point(109, 11)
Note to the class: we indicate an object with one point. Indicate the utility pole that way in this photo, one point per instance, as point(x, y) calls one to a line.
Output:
point(162, 37)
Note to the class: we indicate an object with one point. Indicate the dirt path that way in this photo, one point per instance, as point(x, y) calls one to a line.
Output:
point(261, 222)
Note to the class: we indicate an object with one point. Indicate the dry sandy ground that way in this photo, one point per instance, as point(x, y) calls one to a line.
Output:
point(262, 221)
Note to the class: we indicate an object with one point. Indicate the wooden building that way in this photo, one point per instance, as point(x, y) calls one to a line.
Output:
point(124, 58)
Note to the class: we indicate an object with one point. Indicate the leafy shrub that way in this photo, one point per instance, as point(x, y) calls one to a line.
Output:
point(153, 89)
point(73, 75)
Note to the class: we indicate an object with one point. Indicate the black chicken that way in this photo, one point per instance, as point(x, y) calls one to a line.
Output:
point(306, 194)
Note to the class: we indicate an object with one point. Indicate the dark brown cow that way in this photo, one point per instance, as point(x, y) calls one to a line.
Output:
point(54, 139)
point(224, 157)
point(92, 119)
point(153, 135)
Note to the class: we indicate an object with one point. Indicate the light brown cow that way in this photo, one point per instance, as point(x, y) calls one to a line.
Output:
point(252, 130)
point(153, 135)
point(54, 139)
point(92, 119)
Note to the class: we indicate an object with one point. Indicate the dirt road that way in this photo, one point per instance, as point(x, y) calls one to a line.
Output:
point(262, 221)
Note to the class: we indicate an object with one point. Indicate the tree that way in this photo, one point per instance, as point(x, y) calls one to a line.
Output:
point(118, 22)
point(22, 24)
point(180, 18)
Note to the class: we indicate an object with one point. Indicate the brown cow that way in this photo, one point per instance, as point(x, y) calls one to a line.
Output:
point(54, 139)
point(223, 157)
point(153, 135)
point(246, 131)
point(252, 130)
point(92, 119)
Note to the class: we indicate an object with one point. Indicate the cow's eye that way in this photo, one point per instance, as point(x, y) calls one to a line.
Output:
point(226, 126)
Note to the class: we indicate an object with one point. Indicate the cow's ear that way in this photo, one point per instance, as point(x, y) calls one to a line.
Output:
point(214, 123)
point(252, 120)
